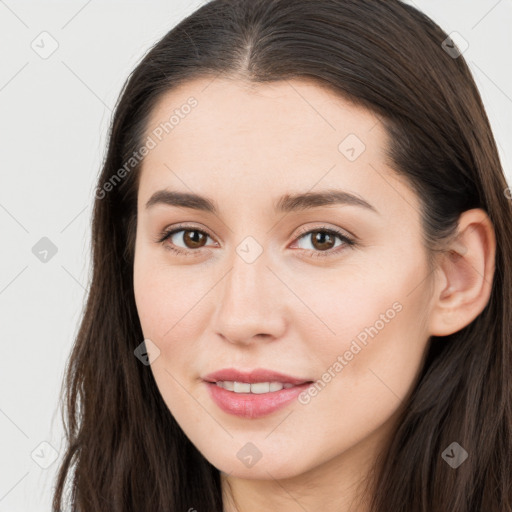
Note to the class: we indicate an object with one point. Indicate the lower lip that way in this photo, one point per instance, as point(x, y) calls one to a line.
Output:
point(251, 405)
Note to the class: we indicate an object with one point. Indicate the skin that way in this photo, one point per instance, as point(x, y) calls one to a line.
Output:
point(244, 146)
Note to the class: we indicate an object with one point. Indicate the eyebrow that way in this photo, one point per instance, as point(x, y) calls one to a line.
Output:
point(286, 204)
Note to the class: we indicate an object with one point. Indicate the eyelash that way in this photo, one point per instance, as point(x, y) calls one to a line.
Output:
point(165, 235)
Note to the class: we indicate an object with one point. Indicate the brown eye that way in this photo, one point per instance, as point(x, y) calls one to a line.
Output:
point(322, 240)
point(189, 242)
point(194, 241)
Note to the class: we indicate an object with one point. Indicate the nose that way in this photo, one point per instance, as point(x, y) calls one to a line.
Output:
point(251, 306)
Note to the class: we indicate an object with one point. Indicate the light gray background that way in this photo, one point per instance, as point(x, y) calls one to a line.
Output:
point(55, 114)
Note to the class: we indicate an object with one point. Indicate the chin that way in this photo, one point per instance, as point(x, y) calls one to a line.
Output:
point(266, 468)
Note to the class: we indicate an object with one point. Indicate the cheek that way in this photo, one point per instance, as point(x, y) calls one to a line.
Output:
point(168, 302)
point(372, 328)
point(166, 297)
point(367, 370)
point(150, 298)
point(345, 307)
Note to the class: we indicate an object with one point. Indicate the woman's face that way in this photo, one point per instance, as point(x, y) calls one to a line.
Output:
point(255, 287)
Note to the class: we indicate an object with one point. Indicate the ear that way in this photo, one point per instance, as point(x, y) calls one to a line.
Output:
point(464, 275)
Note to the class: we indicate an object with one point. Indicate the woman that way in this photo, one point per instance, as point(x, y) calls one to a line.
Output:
point(300, 295)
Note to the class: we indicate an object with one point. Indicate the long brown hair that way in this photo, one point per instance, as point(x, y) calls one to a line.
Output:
point(125, 450)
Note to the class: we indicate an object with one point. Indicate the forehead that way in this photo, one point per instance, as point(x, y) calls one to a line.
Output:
point(243, 139)
point(296, 110)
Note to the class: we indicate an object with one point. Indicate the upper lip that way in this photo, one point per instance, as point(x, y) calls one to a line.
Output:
point(253, 376)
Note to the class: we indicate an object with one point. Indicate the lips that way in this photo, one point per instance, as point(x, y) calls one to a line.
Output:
point(227, 388)
point(253, 376)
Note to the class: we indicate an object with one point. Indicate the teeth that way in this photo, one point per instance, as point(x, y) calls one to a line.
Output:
point(230, 386)
point(260, 387)
point(242, 387)
point(257, 388)
point(276, 386)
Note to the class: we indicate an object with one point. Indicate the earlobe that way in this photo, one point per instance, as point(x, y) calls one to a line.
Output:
point(465, 275)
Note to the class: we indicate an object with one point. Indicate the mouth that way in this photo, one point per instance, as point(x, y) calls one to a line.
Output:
point(255, 376)
point(256, 388)
point(253, 394)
